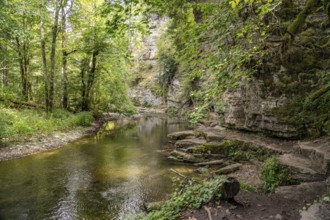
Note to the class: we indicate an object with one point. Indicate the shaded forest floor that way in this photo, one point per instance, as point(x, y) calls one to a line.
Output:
point(286, 202)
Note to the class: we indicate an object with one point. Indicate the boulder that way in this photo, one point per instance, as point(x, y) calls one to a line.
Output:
point(213, 136)
point(180, 135)
point(316, 212)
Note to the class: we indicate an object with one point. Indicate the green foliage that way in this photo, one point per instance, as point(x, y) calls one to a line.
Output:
point(83, 119)
point(16, 125)
point(309, 110)
point(237, 150)
point(247, 187)
point(167, 64)
point(212, 53)
point(198, 114)
point(188, 196)
point(273, 174)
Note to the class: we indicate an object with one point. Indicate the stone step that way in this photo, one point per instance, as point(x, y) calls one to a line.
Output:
point(303, 168)
point(218, 133)
point(180, 135)
point(317, 151)
point(191, 142)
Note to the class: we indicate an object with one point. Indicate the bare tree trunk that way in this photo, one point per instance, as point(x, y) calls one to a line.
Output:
point(23, 63)
point(83, 84)
point(90, 81)
point(52, 54)
point(64, 59)
point(44, 60)
point(4, 76)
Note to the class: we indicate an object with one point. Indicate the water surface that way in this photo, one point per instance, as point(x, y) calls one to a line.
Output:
point(106, 176)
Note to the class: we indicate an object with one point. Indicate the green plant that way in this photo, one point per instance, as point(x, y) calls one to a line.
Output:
point(247, 187)
point(84, 119)
point(273, 174)
point(188, 195)
point(16, 125)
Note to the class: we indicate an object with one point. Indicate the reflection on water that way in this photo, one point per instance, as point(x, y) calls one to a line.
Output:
point(107, 176)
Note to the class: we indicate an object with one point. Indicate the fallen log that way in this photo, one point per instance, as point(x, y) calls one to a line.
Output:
point(207, 209)
point(181, 175)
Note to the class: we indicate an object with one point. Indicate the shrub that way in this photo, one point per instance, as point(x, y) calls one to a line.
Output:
point(60, 114)
point(193, 196)
point(273, 174)
point(84, 119)
point(17, 125)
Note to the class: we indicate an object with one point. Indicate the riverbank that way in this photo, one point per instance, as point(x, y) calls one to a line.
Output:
point(218, 151)
point(41, 142)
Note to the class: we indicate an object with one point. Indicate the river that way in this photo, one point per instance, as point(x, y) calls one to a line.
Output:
point(105, 176)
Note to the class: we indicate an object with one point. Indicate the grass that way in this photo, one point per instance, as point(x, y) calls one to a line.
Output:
point(17, 125)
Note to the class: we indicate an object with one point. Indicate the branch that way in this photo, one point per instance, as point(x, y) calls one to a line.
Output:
point(73, 51)
point(207, 209)
point(181, 175)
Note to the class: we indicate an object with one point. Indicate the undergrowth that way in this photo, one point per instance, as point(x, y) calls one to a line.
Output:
point(273, 174)
point(188, 196)
point(19, 124)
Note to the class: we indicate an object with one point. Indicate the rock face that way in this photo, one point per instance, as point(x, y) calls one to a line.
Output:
point(174, 93)
point(249, 106)
point(283, 80)
point(146, 72)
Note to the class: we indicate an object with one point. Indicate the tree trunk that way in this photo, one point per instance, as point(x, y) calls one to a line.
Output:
point(87, 88)
point(44, 60)
point(83, 84)
point(23, 63)
point(52, 54)
point(64, 59)
point(294, 28)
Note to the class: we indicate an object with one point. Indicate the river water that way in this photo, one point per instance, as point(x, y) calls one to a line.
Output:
point(105, 176)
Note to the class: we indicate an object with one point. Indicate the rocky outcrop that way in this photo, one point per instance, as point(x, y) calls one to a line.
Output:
point(174, 92)
point(286, 97)
point(144, 97)
point(147, 70)
point(249, 107)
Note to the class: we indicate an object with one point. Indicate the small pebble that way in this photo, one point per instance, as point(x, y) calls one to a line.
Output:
point(278, 217)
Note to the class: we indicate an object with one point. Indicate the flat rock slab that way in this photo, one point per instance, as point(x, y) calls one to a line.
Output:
point(303, 168)
point(208, 163)
point(185, 143)
point(212, 136)
point(316, 212)
point(273, 144)
point(302, 192)
point(180, 135)
point(228, 169)
point(185, 157)
point(317, 150)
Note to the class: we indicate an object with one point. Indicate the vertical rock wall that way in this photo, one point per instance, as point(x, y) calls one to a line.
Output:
point(146, 71)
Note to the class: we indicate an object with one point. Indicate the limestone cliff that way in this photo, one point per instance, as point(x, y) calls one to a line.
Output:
point(277, 100)
point(147, 70)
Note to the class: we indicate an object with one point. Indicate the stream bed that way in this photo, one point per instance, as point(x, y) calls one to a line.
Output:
point(109, 175)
